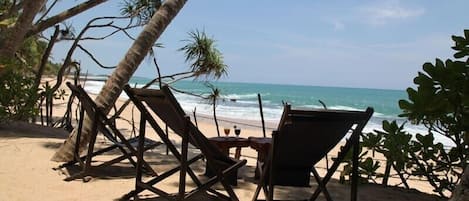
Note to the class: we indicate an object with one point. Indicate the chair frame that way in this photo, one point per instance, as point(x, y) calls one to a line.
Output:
point(104, 125)
point(359, 118)
point(189, 134)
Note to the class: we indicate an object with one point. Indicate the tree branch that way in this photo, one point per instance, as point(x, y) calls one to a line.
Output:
point(94, 59)
point(43, 25)
point(47, 11)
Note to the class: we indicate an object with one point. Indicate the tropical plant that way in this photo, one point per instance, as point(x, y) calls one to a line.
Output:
point(441, 103)
point(123, 72)
point(17, 22)
point(366, 167)
point(24, 55)
point(17, 91)
point(216, 68)
point(205, 58)
point(19, 85)
point(394, 144)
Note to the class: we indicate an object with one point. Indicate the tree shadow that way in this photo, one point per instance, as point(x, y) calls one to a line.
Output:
point(29, 130)
point(156, 158)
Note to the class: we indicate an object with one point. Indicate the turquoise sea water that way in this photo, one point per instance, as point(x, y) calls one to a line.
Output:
point(239, 100)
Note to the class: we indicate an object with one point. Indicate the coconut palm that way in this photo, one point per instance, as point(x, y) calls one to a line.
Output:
point(124, 71)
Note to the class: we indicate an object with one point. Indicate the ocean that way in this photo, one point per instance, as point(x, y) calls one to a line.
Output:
point(240, 101)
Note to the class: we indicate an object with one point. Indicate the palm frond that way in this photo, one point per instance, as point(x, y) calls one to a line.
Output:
point(204, 57)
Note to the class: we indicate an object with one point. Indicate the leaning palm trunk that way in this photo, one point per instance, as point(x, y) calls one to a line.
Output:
point(121, 75)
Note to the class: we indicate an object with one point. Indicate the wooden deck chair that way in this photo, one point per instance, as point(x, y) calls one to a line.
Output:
point(104, 125)
point(163, 103)
point(302, 139)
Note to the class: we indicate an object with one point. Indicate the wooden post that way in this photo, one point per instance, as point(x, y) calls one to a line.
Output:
point(262, 113)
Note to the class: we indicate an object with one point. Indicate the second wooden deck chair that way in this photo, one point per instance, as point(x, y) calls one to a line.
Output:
point(163, 103)
point(303, 138)
point(101, 123)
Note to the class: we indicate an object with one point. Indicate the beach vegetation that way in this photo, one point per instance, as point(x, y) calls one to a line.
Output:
point(21, 84)
point(25, 52)
point(440, 102)
point(122, 73)
point(203, 55)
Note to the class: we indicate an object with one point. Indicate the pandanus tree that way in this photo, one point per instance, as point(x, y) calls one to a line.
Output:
point(123, 72)
point(204, 57)
point(206, 60)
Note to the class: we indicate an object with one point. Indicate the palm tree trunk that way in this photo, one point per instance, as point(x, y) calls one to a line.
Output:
point(121, 75)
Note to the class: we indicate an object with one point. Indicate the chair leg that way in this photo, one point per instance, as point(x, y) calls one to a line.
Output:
point(87, 165)
point(355, 152)
point(256, 193)
point(141, 142)
point(229, 190)
point(94, 131)
point(270, 196)
point(77, 140)
point(321, 186)
point(261, 182)
point(183, 171)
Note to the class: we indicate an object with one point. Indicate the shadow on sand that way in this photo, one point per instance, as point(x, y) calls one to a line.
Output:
point(22, 129)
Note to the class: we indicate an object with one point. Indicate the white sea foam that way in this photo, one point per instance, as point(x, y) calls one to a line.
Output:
point(240, 96)
point(93, 87)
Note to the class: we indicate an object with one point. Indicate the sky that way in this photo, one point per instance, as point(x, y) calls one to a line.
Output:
point(363, 44)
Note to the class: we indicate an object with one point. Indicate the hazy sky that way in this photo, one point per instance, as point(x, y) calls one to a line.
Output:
point(370, 44)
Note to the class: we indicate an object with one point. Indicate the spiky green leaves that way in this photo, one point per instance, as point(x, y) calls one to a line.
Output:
point(141, 10)
point(204, 57)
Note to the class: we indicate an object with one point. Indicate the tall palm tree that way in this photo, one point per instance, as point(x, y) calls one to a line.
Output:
point(122, 74)
point(206, 60)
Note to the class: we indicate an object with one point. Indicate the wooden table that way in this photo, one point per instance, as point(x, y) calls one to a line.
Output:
point(224, 144)
point(262, 146)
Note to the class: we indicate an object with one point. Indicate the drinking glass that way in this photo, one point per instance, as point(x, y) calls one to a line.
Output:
point(227, 131)
point(237, 131)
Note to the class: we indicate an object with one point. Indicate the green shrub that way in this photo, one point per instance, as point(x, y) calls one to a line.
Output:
point(18, 98)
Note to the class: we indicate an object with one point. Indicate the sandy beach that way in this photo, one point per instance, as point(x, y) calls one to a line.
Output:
point(26, 171)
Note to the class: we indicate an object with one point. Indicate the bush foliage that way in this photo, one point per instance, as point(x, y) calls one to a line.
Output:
point(440, 102)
